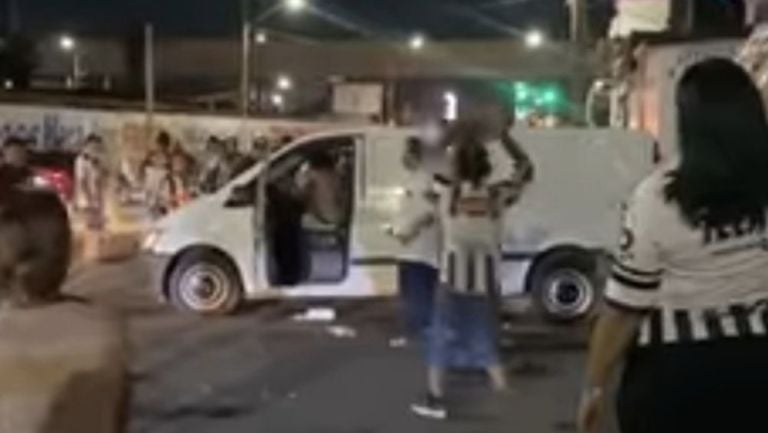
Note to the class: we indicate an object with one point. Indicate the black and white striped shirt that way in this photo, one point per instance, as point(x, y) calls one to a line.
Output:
point(692, 283)
point(471, 218)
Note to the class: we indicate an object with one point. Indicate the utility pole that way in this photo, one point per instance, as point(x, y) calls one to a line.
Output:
point(149, 81)
point(245, 61)
point(259, 56)
point(579, 21)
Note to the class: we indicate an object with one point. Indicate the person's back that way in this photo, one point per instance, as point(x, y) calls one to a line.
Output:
point(320, 186)
point(61, 370)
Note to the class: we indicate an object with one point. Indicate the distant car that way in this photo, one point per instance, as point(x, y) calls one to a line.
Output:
point(55, 170)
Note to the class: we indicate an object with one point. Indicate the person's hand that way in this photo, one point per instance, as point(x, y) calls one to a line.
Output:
point(591, 411)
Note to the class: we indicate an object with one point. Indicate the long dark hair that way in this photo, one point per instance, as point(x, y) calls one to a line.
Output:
point(471, 161)
point(722, 178)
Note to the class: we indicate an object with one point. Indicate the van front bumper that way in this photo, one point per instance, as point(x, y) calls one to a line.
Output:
point(159, 271)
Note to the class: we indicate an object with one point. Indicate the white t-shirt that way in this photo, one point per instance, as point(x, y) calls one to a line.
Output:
point(425, 247)
point(693, 283)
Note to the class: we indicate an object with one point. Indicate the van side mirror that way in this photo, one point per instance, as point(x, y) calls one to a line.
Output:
point(241, 196)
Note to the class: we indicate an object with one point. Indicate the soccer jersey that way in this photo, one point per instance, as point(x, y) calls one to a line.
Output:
point(692, 283)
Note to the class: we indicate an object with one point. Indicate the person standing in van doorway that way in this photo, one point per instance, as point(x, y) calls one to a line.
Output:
point(320, 187)
point(469, 210)
point(417, 266)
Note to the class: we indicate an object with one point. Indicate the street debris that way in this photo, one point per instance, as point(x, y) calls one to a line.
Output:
point(398, 342)
point(342, 331)
point(316, 314)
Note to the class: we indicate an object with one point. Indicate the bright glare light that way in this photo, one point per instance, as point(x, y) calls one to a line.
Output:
point(8, 84)
point(296, 5)
point(417, 42)
point(534, 39)
point(278, 100)
point(550, 97)
point(284, 82)
point(451, 111)
point(261, 37)
point(67, 43)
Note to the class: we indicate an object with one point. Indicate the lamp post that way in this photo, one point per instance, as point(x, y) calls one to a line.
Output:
point(534, 39)
point(68, 45)
point(417, 42)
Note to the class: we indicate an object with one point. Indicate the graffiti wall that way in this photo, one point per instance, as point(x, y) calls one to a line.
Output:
point(125, 133)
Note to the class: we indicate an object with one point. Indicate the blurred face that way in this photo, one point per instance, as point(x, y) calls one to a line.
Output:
point(15, 155)
point(179, 164)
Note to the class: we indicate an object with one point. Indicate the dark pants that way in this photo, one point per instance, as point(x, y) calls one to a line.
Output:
point(417, 295)
point(716, 387)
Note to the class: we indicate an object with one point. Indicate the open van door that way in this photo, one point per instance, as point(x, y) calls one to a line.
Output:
point(308, 212)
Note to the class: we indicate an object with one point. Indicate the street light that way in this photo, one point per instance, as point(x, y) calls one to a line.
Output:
point(284, 83)
point(278, 100)
point(534, 39)
point(67, 43)
point(417, 42)
point(261, 37)
point(296, 5)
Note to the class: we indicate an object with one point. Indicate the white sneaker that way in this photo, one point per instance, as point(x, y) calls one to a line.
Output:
point(398, 343)
point(431, 407)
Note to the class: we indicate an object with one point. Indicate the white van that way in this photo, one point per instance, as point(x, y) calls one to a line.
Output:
point(240, 243)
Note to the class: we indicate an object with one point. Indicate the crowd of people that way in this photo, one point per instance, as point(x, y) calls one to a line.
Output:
point(167, 177)
point(685, 311)
point(170, 176)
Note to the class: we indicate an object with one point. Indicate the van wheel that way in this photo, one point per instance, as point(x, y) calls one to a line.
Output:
point(205, 282)
point(564, 285)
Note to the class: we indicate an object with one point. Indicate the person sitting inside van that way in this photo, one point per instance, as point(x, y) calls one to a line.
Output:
point(62, 361)
point(319, 185)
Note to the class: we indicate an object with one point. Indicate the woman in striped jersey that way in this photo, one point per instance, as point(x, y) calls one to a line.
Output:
point(686, 306)
point(469, 211)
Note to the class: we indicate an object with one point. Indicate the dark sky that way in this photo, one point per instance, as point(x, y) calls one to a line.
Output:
point(381, 18)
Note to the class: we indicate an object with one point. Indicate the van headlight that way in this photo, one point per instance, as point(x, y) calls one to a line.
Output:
point(151, 239)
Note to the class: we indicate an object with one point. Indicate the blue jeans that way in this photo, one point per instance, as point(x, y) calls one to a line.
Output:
point(418, 282)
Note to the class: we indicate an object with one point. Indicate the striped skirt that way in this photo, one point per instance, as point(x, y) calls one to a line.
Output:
point(470, 271)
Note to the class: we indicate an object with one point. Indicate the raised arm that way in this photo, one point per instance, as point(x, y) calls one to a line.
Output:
point(524, 171)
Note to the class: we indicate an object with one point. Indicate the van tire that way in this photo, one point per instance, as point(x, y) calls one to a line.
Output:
point(205, 282)
point(565, 285)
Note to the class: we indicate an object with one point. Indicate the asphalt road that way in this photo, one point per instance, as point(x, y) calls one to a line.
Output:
point(262, 371)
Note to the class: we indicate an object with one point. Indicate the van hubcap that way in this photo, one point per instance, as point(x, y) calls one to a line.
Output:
point(204, 287)
point(569, 293)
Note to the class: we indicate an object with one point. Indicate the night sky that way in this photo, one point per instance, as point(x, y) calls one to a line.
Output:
point(377, 18)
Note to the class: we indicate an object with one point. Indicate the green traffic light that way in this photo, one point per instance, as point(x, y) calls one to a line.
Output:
point(550, 97)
